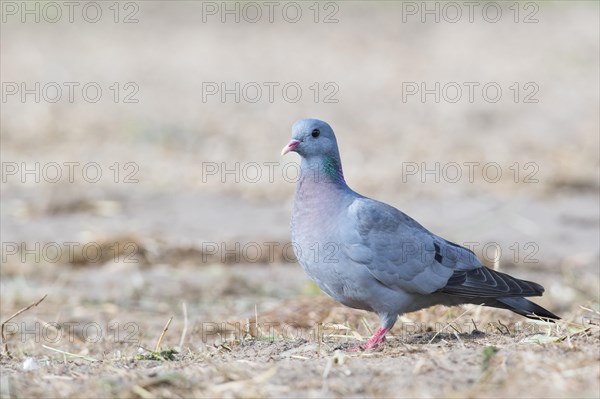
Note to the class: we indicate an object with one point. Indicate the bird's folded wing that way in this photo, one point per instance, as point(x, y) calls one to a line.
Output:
point(398, 251)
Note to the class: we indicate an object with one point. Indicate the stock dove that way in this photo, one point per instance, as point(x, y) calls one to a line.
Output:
point(368, 255)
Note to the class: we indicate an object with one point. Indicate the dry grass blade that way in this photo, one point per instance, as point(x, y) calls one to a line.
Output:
point(240, 384)
point(89, 359)
point(448, 324)
point(142, 393)
point(258, 332)
point(337, 358)
point(6, 351)
point(590, 310)
point(162, 335)
point(141, 387)
point(366, 324)
point(185, 325)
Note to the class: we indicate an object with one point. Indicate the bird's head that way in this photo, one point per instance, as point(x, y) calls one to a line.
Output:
point(312, 138)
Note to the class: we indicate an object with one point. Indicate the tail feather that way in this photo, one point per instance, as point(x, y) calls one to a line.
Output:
point(484, 282)
point(526, 308)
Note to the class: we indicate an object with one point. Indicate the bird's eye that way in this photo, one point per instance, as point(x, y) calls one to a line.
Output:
point(315, 133)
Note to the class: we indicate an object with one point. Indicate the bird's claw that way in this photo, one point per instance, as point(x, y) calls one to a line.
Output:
point(373, 343)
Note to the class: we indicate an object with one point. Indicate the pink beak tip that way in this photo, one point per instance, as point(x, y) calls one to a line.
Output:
point(291, 146)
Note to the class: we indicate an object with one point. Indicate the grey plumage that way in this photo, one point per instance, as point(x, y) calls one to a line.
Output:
point(369, 255)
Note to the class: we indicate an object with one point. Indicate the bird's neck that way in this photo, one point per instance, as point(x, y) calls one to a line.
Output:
point(323, 172)
point(321, 186)
point(321, 192)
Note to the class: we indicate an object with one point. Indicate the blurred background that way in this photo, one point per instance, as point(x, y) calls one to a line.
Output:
point(481, 123)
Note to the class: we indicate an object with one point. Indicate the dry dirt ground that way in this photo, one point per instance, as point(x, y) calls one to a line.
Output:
point(286, 340)
point(209, 250)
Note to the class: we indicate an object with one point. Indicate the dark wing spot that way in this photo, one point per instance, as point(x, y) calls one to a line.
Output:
point(438, 256)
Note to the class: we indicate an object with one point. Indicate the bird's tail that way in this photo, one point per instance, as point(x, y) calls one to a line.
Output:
point(526, 308)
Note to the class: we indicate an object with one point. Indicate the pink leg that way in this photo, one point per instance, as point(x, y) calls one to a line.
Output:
point(374, 342)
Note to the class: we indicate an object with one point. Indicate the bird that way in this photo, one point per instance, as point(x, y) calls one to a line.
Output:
point(368, 255)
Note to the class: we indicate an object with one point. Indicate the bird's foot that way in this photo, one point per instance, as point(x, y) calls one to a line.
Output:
point(373, 343)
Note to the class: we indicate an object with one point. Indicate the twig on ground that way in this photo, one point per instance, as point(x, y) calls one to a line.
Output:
point(6, 351)
point(506, 327)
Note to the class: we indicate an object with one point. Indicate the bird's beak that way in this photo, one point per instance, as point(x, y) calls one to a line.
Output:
point(291, 146)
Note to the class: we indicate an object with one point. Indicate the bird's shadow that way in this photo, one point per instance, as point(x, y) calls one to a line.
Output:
point(424, 338)
point(436, 337)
